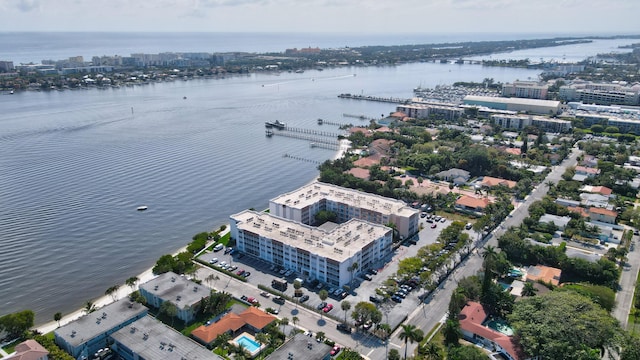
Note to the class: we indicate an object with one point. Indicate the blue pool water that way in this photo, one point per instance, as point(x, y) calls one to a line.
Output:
point(248, 344)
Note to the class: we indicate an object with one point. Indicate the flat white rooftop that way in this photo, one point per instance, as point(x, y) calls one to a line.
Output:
point(316, 191)
point(339, 243)
point(521, 101)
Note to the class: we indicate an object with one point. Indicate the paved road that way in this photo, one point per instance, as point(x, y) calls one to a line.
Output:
point(624, 296)
point(426, 316)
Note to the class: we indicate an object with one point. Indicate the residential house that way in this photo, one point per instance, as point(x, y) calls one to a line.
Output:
point(182, 292)
point(602, 190)
point(360, 173)
point(90, 333)
point(490, 182)
point(29, 350)
point(602, 215)
point(468, 203)
point(589, 161)
point(587, 171)
point(301, 347)
point(148, 338)
point(456, 176)
point(545, 274)
point(473, 325)
point(252, 319)
point(559, 221)
point(597, 200)
point(567, 202)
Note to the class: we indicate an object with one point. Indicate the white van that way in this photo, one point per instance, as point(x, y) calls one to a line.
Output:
point(218, 247)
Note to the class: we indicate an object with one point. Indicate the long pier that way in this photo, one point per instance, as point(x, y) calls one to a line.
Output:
point(310, 132)
point(313, 139)
point(329, 122)
point(375, 98)
point(301, 159)
point(361, 117)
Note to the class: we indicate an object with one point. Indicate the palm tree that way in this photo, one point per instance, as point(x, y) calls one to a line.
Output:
point(223, 340)
point(113, 292)
point(345, 305)
point(451, 332)
point(170, 309)
point(89, 307)
point(529, 289)
point(284, 322)
point(458, 299)
point(323, 295)
point(295, 320)
point(212, 277)
point(57, 317)
point(262, 338)
point(352, 268)
point(297, 285)
point(490, 256)
point(432, 352)
point(410, 333)
point(132, 282)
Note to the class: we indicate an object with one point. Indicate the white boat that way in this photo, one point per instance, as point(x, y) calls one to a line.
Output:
point(142, 208)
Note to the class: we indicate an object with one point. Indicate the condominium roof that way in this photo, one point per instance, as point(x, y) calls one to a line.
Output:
point(100, 321)
point(151, 339)
point(253, 316)
point(301, 347)
point(317, 191)
point(177, 289)
point(517, 101)
point(338, 244)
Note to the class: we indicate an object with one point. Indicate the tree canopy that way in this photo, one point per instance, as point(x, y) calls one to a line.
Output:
point(560, 324)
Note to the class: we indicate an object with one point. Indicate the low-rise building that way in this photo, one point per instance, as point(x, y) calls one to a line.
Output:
point(525, 89)
point(473, 325)
point(559, 221)
point(520, 122)
point(90, 333)
point(602, 215)
point(323, 253)
point(301, 347)
point(545, 274)
point(532, 106)
point(472, 204)
point(252, 319)
point(148, 338)
point(182, 292)
point(490, 182)
point(456, 176)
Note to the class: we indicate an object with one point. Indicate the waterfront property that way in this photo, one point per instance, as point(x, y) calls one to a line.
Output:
point(301, 347)
point(183, 293)
point(302, 204)
point(325, 253)
point(520, 122)
point(492, 334)
point(148, 338)
point(252, 320)
point(90, 333)
point(533, 106)
point(525, 89)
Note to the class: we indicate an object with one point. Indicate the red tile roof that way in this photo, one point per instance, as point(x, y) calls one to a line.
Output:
point(513, 151)
point(580, 210)
point(360, 173)
point(601, 190)
point(491, 182)
point(252, 316)
point(603, 211)
point(367, 161)
point(29, 350)
point(471, 319)
point(544, 273)
point(471, 202)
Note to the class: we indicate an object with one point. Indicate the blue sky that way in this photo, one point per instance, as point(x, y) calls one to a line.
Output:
point(371, 16)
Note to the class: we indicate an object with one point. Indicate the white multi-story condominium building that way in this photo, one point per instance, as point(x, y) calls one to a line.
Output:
point(525, 89)
point(322, 253)
point(302, 205)
point(521, 121)
point(424, 111)
point(601, 93)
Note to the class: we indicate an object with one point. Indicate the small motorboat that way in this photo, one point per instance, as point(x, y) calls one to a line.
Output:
point(142, 208)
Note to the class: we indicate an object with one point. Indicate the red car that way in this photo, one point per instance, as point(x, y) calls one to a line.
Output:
point(433, 226)
point(328, 308)
point(252, 300)
point(240, 272)
point(335, 350)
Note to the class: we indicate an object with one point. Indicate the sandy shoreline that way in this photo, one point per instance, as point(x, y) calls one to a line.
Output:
point(146, 276)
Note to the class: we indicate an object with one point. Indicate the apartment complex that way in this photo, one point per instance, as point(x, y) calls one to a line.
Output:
point(525, 89)
point(319, 253)
point(601, 93)
point(519, 122)
point(301, 205)
point(183, 293)
point(423, 111)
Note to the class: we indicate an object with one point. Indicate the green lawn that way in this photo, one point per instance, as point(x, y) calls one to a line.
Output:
point(11, 347)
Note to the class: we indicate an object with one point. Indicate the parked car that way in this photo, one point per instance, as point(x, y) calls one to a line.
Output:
point(246, 274)
point(265, 294)
point(228, 250)
point(218, 247)
point(278, 300)
point(335, 350)
point(213, 261)
point(433, 226)
point(240, 272)
point(344, 328)
point(328, 308)
point(368, 277)
point(374, 299)
point(252, 300)
point(423, 215)
point(321, 305)
point(468, 226)
point(373, 271)
point(397, 299)
point(304, 298)
point(443, 220)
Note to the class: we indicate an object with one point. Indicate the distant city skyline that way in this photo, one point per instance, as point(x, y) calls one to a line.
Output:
point(371, 16)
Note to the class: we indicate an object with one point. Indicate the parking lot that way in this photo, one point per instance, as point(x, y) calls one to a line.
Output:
point(263, 273)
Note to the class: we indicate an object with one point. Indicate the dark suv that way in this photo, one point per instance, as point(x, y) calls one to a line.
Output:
point(344, 328)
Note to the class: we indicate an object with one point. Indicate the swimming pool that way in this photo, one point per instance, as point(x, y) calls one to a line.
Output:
point(247, 342)
point(500, 326)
